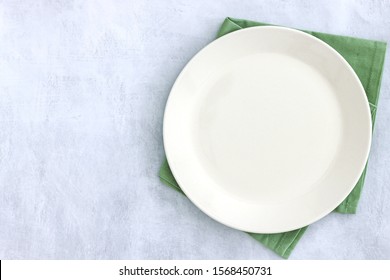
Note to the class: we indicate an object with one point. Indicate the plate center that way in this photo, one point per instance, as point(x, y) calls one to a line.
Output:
point(268, 128)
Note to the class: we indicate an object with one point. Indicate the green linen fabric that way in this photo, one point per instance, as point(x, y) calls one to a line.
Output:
point(366, 57)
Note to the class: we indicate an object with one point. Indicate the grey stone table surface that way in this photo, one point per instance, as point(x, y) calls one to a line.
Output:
point(83, 86)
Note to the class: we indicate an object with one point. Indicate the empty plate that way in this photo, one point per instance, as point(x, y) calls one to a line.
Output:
point(267, 129)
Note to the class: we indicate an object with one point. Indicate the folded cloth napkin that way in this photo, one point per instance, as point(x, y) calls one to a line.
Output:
point(366, 57)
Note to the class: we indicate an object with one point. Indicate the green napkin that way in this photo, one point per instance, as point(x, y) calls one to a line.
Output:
point(366, 57)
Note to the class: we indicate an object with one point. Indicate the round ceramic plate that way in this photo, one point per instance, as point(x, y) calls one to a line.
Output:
point(267, 129)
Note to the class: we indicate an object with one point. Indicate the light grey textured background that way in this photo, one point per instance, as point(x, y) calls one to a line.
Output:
point(83, 86)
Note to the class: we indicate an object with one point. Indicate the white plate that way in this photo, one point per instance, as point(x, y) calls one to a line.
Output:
point(267, 129)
